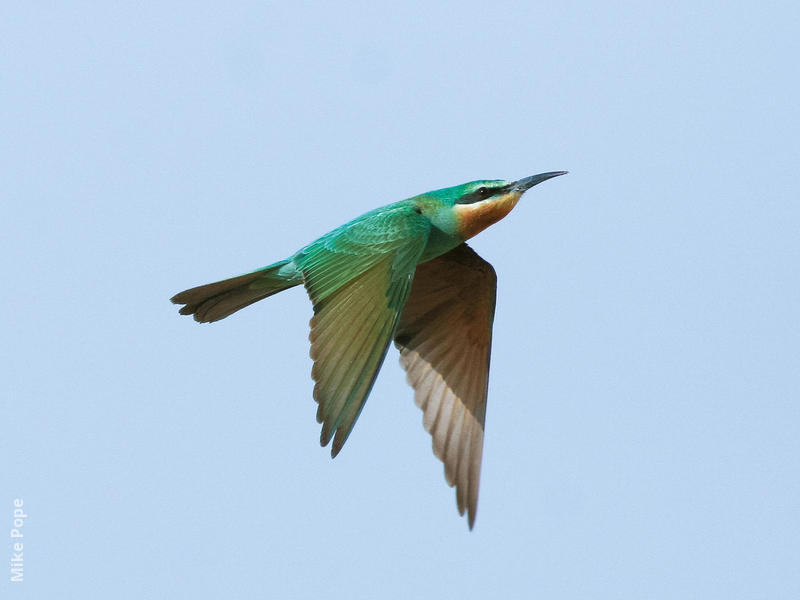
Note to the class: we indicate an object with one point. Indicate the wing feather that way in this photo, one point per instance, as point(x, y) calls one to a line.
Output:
point(358, 278)
point(444, 337)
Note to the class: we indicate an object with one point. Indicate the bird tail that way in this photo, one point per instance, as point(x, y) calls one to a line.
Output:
point(215, 301)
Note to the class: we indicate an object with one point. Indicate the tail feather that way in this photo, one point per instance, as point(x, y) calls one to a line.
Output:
point(215, 301)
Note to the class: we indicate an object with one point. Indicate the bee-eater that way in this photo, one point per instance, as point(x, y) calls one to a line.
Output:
point(401, 272)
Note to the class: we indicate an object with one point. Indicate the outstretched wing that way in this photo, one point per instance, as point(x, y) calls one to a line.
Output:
point(445, 338)
point(359, 278)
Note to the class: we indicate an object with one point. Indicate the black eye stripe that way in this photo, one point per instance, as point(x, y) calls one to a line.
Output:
point(482, 193)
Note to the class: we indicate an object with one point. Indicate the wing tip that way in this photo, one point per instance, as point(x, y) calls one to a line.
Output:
point(325, 439)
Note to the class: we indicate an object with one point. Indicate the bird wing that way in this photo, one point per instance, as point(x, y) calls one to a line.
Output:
point(358, 278)
point(445, 338)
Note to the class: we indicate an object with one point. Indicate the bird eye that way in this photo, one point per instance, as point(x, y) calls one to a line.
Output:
point(484, 192)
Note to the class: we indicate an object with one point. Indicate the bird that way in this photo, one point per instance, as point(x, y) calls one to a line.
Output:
point(401, 273)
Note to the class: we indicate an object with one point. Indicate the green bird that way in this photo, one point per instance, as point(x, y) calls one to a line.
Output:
point(401, 272)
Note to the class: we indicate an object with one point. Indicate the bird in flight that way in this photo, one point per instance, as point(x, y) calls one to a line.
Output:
point(401, 272)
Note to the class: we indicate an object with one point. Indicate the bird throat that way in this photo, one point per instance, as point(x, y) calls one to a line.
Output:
point(474, 218)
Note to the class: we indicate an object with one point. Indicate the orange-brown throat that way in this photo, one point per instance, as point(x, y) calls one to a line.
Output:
point(474, 218)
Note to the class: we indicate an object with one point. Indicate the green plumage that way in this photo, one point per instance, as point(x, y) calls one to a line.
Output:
point(360, 278)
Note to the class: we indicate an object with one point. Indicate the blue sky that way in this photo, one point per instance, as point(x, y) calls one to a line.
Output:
point(642, 427)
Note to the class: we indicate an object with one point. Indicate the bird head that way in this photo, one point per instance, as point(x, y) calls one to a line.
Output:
point(466, 210)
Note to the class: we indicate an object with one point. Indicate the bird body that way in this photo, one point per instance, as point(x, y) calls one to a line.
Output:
point(400, 272)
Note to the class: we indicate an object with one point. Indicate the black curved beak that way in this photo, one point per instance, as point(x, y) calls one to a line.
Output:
point(525, 184)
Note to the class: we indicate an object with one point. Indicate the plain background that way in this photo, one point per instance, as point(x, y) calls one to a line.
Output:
point(642, 430)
